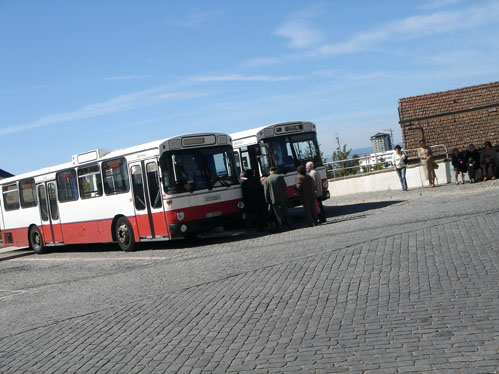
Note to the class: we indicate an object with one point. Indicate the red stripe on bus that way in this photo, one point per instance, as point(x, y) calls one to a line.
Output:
point(19, 237)
point(203, 211)
point(100, 231)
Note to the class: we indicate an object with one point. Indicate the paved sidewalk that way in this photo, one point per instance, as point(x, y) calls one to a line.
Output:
point(393, 283)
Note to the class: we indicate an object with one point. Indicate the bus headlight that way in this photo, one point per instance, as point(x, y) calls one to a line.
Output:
point(180, 216)
point(325, 184)
point(240, 204)
point(183, 228)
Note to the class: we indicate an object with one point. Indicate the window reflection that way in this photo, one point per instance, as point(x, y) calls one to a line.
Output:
point(191, 170)
point(287, 152)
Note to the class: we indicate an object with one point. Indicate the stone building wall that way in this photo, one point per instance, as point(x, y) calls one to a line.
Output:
point(454, 118)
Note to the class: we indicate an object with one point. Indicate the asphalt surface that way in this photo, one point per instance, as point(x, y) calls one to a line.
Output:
point(394, 282)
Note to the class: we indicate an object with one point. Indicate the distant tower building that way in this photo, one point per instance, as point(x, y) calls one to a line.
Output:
point(381, 142)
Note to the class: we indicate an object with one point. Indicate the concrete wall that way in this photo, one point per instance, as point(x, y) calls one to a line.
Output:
point(388, 180)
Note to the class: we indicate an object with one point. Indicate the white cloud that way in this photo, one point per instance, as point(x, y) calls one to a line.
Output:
point(194, 19)
point(416, 26)
point(117, 104)
point(300, 34)
point(238, 77)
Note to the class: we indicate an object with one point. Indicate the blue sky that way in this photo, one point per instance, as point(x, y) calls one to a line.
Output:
point(80, 75)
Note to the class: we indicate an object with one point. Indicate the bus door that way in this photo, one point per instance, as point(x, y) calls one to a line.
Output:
point(49, 213)
point(264, 160)
point(148, 199)
point(248, 158)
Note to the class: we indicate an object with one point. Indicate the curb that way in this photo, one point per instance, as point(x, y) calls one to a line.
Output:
point(14, 254)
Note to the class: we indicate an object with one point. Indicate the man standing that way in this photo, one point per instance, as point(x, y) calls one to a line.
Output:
point(275, 193)
point(318, 189)
point(306, 188)
point(254, 200)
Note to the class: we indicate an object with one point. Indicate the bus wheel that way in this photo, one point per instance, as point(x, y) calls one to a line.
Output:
point(36, 240)
point(124, 235)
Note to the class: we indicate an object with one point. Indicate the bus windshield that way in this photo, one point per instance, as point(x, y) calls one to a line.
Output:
point(289, 151)
point(189, 170)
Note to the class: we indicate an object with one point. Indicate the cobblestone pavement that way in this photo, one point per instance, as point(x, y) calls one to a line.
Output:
point(393, 283)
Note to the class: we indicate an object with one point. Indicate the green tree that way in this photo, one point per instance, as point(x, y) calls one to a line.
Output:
point(342, 165)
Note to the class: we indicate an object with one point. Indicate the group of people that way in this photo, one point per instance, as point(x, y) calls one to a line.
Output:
point(267, 203)
point(469, 161)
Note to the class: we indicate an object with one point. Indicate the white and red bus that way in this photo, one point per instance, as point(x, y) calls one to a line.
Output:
point(175, 187)
point(284, 145)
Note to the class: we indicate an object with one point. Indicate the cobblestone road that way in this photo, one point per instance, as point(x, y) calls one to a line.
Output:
point(393, 283)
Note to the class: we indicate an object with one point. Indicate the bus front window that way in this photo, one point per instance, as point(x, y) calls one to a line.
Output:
point(306, 148)
point(281, 153)
point(190, 170)
point(220, 166)
point(289, 151)
point(182, 171)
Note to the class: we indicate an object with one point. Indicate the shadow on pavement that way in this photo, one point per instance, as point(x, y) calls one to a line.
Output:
point(333, 213)
point(341, 210)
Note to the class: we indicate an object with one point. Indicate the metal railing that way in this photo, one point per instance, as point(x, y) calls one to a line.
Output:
point(352, 166)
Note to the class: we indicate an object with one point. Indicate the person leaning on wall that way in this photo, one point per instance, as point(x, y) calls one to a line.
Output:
point(427, 161)
point(488, 159)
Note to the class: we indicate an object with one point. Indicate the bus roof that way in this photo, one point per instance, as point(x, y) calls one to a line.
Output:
point(102, 155)
point(254, 135)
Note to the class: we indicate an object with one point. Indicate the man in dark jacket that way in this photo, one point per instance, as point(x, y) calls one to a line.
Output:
point(275, 194)
point(473, 162)
point(254, 200)
point(306, 189)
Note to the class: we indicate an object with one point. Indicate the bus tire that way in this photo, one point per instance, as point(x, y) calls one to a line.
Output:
point(36, 240)
point(124, 234)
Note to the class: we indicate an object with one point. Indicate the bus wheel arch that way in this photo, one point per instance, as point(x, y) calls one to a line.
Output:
point(123, 233)
point(35, 239)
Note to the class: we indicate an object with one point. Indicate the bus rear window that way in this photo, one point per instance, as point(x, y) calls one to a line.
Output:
point(115, 176)
point(27, 192)
point(10, 197)
point(67, 189)
point(90, 182)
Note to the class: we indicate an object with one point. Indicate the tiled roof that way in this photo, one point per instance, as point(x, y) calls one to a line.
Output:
point(448, 101)
point(453, 118)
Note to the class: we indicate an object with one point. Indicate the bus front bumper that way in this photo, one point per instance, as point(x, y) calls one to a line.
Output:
point(193, 228)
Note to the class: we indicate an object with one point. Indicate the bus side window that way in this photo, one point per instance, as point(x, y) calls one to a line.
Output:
point(67, 186)
point(115, 176)
point(138, 188)
point(11, 197)
point(153, 182)
point(90, 182)
point(27, 193)
point(264, 160)
point(42, 197)
point(238, 162)
point(245, 159)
